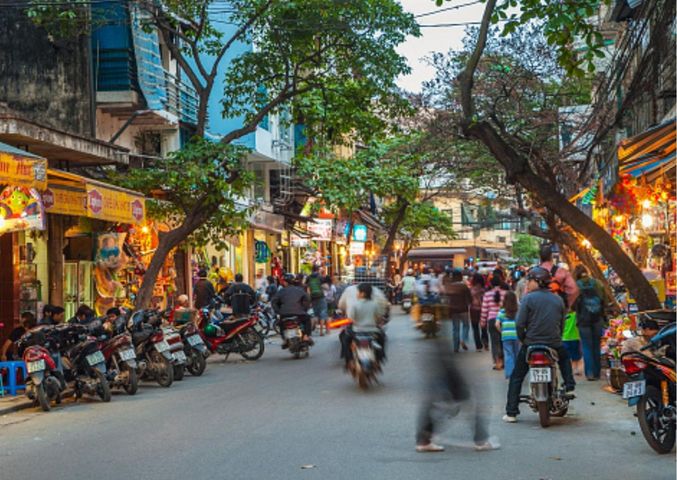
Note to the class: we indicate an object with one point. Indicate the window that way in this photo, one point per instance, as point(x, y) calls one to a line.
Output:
point(500, 239)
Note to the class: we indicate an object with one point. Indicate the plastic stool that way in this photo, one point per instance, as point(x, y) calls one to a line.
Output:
point(12, 367)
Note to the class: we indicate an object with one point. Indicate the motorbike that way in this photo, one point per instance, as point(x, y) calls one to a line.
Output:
point(407, 302)
point(120, 362)
point(429, 323)
point(194, 348)
point(153, 353)
point(179, 358)
point(548, 397)
point(44, 383)
point(84, 362)
point(365, 362)
point(267, 318)
point(234, 335)
point(293, 335)
point(651, 388)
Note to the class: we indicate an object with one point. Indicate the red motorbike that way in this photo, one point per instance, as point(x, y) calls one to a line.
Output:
point(240, 335)
point(45, 382)
point(121, 362)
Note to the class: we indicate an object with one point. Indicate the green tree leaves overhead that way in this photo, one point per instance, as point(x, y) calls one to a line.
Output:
point(525, 248)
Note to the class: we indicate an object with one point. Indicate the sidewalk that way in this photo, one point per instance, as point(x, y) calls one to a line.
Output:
point(10, 404)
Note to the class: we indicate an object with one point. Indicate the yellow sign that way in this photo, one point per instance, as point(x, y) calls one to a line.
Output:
point(22, 171)
point(113, 205)
point(65, 200)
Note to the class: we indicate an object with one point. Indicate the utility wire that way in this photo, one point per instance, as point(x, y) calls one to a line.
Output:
point(446, 9)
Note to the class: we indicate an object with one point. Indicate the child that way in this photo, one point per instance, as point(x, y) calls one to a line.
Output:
point(505, 323)
point(571, 338)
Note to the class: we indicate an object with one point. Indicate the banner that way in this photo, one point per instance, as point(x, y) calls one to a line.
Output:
point(22, 171)
point(112, 205)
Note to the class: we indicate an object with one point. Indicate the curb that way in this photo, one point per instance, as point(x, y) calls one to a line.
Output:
point(23, 405)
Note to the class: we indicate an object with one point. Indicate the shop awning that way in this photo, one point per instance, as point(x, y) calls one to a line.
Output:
point(648, 151)
point(21, 168)
point(70, 194)
point(370, 220)
point(435, 253)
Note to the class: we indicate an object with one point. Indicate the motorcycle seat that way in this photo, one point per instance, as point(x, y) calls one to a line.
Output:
point(231, 323)
point(540, 348)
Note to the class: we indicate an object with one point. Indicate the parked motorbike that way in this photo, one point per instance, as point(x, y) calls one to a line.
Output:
point(293, 335)
point(652, 388)
point(153, 353)
point(194, 348)
point(45, 382)
point(266, 318)
point(548, 397)
point(179, 359)
point(84, 362)
point(234, 335)
point(365, 359)
point(121, 364)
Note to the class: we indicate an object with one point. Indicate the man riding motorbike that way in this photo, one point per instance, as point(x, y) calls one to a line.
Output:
point(367, 306)
point(540, 321)
point(293, 301)
point(240, 296)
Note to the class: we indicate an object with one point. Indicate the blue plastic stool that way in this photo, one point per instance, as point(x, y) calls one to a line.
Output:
point(12, 367)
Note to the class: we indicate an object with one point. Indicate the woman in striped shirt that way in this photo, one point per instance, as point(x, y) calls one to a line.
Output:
point(506, 323)
point(491, 305)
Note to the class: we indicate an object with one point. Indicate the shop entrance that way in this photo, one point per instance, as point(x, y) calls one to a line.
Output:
point(78, 286)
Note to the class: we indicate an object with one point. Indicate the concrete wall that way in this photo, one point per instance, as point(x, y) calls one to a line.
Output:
point(42, 81)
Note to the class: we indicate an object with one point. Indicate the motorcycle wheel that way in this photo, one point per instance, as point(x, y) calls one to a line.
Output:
point(543, 414)
point(42, 398)
point(165, 375)
point(103, 389)
point(132, 384)
point(198, 364)
point(256, 341)
point(660, 437)
point(179, 371)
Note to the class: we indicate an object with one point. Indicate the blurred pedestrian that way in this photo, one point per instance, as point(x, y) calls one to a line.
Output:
point(457, 299)
point(491, 305)
point(505, 322)
point(480, 334)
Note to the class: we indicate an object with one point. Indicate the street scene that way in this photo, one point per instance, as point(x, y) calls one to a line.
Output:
point(327, 239)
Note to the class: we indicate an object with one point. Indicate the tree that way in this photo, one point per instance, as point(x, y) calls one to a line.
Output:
point(525, 249)
point(526, 155)
point(343, 52)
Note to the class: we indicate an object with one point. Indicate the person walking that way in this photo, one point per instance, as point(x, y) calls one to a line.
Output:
point(317, 298)
point(480, 334)
point(505, 322)
point(571, 339)
point(590, 319)
point(491, 305)
point(457, 299)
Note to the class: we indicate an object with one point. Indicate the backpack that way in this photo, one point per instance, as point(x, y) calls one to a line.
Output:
point(591, 303)
point(557, 288)
point(315, 286)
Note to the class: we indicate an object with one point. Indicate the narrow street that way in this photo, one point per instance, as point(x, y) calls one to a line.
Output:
point(280, 418)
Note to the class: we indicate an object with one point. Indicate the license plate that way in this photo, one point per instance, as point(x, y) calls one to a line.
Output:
point(634, 389)
point(162, 346)
point(195, 340)
point(290, 333)
point(365, 354)
point(36, 366)
point(540, 375)
point(406, 304)
point(127, 354)
point(95, 358)
point(427, 317)
point(180, 356)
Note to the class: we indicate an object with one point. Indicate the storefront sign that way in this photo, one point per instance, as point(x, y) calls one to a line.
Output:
point(113, 205)
point(64, 200)
point(357, 248)
point(321, 229)
point(26, 172)
point(359, 232)
point(21, 209)
point(299, 242)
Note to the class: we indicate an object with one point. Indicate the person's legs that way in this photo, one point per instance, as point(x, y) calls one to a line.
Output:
point(426, 424)
point(465, 330)
point(515, 387)
point(455, 327)
point(510, 351)
point(496, 345)
point(565, 368)
point(475, 322)
point(587, 345)
point(485, 337)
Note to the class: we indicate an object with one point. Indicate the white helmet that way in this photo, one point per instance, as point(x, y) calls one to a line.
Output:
point(410, 271)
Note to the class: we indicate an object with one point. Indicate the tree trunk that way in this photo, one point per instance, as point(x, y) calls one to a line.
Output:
point(394, 228)
point(518, 170)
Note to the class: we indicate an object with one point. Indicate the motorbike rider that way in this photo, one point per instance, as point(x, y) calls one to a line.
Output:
point(240, 296)
point(367, 312)
point(204, 291)
point(293, 301)
point(408, 283)
point(540, 321)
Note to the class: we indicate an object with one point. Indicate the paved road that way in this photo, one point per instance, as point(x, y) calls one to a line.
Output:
point(269, 419)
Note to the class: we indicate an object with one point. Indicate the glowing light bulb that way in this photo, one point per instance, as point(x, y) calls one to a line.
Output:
point(647, 203)
point(618, 218)
point(145, 229)
point(647, 220)
point(586, 243)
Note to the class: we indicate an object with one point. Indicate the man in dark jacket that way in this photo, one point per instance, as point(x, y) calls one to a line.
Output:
point(204, 290)
point(293, 301)
point(540, 321)
point(457, 298)
point(240, 296)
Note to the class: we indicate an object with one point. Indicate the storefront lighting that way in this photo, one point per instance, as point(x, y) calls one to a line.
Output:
point(586, 243)
point(618, 218)
point(647, 220)
point(2, 221)
point(634, 238)
point(145, 229)
point(647, 203)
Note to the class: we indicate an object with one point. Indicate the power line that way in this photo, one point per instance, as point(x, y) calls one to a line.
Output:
point(440, 10)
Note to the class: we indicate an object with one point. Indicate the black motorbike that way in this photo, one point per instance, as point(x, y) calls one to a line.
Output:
point(83, 361)
point(292, 334)
point(651, 388)
point(153, 353)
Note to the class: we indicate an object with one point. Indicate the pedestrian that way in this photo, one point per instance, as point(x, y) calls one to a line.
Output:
point(505, 322)
point(204, 291)
point(540, 320)
point(562, 282)
point(491, 305)
point(480, 334)
point(272, 288)
point(8, 351)
point(521, 287)
point(317, 298)
point(590, 320)
point(457, 299)
point(330, 296)
point(571, 339)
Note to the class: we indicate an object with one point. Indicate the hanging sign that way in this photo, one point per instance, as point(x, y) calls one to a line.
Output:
point(114, 205)
point(21, 209)
point(359, 232)
point(22, 171)
point(321, 229)
point(357, 248)
point(65, 200)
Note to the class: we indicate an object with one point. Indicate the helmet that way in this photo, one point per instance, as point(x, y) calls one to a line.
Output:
point(540, 275)
point(210, 330)
point(289, 278)
point(410, 271)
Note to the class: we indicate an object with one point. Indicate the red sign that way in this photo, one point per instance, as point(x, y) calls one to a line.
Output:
point(48, 198)
point(95, 201)
point(137, 210)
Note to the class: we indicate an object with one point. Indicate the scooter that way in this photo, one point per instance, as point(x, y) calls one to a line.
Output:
point(194, 348)
point(365, 357)
point(179, 358)
point(547, 397)
point(121, 362)
point(407, 302)
point(153, 353)
point(292, 334)
point(44, 383)
point(235, 335)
